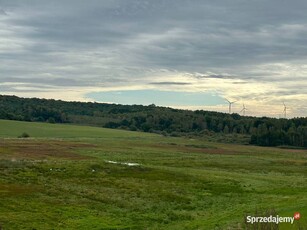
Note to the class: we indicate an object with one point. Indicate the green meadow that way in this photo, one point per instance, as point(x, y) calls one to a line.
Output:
point(79, 177)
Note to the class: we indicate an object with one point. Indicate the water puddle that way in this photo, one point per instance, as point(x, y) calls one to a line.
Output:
point(123, 163)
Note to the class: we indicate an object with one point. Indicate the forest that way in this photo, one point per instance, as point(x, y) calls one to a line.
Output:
point(263, 131)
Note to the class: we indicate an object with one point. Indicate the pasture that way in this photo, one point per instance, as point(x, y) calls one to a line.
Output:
point(77, 177)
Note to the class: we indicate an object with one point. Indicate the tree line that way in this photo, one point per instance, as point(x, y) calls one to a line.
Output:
point(262, 131)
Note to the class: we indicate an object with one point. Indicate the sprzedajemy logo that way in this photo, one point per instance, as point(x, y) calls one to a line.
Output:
point(273, 219)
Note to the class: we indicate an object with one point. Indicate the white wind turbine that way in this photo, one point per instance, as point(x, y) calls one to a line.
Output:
point(285, 110)
point(230, 103)
point(243, 110)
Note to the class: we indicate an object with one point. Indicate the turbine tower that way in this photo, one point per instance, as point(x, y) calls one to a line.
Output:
point(285, 110)
point(230, 103)
point(243, 110)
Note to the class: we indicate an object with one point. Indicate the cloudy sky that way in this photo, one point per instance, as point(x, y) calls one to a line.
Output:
point(180, 53)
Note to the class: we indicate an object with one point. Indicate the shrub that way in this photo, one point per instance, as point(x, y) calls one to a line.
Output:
point(51, 120)
point(24, 135)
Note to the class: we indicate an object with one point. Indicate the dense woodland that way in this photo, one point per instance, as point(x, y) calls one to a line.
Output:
point(167, 121)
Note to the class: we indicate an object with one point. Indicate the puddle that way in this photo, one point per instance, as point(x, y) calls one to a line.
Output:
point(123, 163)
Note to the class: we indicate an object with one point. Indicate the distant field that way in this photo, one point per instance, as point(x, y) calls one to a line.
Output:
point(77, 177)
point(46, 130)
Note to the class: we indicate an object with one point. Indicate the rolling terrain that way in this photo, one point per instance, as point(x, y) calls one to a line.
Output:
point(77, 177)
point(222, 127)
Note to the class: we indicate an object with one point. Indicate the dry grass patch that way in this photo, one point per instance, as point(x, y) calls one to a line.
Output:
point(34, 149)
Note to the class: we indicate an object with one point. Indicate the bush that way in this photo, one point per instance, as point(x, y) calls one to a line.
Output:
point(51, 120)
point(24, 135)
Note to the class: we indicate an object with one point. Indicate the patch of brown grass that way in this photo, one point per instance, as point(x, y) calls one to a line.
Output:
point(14, 189)
point(196, 149)
point(42, 149)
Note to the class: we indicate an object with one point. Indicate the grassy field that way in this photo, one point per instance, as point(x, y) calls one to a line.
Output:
point(77, 177)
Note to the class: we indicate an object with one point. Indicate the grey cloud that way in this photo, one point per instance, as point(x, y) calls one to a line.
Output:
point(169, 83)
point(30, 90)
point(25, 88)
point(96, 43)
point(208, 39)
point(60, 81)
point(285, 92)
point(219, 76)
point(240, 83)
point(2, 12)
point(46, 81)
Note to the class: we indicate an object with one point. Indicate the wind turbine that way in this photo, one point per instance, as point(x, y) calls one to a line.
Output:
point(285, 110)
point(230, 103)
point(243, 110)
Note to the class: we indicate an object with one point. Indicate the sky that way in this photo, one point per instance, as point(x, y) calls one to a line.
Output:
point(189, 54)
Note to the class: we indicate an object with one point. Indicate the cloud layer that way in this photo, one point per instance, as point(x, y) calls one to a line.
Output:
point(251, 51)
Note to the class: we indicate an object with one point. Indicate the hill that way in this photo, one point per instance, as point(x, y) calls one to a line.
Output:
point(77, 177)
point(167, 121)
